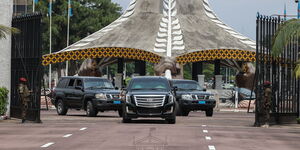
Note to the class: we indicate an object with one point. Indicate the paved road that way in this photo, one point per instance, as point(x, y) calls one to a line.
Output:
point(224, 131)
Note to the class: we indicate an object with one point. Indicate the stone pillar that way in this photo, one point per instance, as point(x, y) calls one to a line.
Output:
point(218, 82)
point(6, 9)
point(201, 80)
point(119, 80)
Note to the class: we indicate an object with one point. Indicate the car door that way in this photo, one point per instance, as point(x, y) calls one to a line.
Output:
point(69, 93)
point(78, 93)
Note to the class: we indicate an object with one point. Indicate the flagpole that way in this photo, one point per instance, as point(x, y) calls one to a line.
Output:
point(33, 5)
point(68, 34)
point(50, 41)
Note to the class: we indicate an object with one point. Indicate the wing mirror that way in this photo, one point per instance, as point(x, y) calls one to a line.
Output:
point(175, 88)
point(78, 88)
point(204, 89)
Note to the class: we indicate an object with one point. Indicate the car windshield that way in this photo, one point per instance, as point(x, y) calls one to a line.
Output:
point(98, 84)
point(149, 84)
point(187, 86)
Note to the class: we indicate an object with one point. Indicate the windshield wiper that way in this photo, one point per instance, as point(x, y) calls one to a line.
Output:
point(148, 89)
point(97, 87)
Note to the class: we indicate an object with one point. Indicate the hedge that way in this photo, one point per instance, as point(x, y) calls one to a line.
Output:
point(3, 100)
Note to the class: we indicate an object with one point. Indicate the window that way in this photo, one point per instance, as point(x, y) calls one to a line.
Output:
point(71, 82)
point(62, 83)
point(79, 83)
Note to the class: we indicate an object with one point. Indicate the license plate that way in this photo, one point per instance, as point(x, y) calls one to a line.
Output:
point(117, 102)
point(201, 102)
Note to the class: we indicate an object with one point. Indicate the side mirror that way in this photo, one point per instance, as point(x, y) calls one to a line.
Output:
point(78, 88)
point(175, 88)
point(116, 88)
point(204, 89)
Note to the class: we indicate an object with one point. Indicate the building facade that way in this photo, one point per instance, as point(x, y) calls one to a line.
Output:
point(22, 7)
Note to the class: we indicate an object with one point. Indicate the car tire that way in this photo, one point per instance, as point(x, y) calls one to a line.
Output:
point(171, 121)
point(178, 109)
point(185, 113)
point(125, 119)
point(120, 112)
point(61, 108)
point(209, 112)
point(90, 109)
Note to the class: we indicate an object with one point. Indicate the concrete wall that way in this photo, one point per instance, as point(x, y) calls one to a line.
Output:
point(6, 8)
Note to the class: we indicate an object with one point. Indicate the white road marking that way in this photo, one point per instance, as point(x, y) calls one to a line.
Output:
point(203, 125)
point(47, 145)
point(205, 131)
point(83, 128)
point(207, 137)
point(67, 135)
point(211, 147)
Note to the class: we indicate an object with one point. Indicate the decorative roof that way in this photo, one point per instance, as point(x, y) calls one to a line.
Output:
point(165, 28)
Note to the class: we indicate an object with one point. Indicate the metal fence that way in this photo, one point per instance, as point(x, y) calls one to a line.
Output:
point(285, 87)
point(26, 62)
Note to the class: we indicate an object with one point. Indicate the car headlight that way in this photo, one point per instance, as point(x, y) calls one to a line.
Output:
point(100, 96)
point(128, 99)
point(187, 97)
point(211, 97)
point(171, 98)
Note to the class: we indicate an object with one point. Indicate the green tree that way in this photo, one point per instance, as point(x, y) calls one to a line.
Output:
point(283, 36)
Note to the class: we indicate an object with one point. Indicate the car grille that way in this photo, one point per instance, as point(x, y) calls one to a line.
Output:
point(197, 97)
point(149, 101)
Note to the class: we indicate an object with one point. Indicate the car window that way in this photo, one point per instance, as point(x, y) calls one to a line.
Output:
point(187, 85)
point(62, 83)
point(79, 82)
point(98, 84)
point(71, 83)
point(140, 84)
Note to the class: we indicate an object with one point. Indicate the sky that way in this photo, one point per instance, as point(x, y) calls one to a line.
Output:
point(241, 14)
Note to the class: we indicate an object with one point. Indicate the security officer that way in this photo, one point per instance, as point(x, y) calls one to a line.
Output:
point(266, 103)
point(25, 97)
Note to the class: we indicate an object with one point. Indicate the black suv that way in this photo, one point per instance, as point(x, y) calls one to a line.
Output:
point(191, 96)
point(149, 97)
point(92, 94)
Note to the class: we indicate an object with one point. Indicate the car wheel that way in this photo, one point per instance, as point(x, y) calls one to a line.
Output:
point(209, 112)
point(90, 109)
point(185, 113)
point(171, 121)
point(178, 109)
point(120, 111)
point(61, 108)
point(125, 119)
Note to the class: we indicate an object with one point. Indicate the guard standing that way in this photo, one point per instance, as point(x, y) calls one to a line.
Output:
point(267, 103)
point(25, 97)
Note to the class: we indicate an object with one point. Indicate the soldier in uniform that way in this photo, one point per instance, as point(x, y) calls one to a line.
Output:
point(266, 103)
point(25, 97)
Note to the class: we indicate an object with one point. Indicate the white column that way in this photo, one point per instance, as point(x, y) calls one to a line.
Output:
point(119, 80)
point(201, 80)
point(6, 10)
point(218, 83)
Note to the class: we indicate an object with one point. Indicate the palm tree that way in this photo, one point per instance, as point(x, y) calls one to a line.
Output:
point(283, 36)
point(4, 30)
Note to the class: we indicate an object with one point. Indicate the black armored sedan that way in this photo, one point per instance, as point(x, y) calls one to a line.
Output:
point(149, 97)
point(92, 94)
point(190, 96)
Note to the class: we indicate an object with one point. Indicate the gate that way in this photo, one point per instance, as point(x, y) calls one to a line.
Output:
point(26, 62)
point(285, 87)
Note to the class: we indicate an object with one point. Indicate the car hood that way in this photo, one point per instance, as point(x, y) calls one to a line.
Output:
point(148, 92)
point(193, 92)
point(105, 91)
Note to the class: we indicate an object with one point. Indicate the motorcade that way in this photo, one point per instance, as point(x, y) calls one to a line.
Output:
point(149, 97)
point(190, 96)
point(92, 94)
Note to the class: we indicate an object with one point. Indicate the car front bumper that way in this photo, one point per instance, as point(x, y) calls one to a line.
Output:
point(167, 111)
point(192, 105)
point(104, 105)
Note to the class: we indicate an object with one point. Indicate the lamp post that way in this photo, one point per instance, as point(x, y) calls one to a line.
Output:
point(298, 10)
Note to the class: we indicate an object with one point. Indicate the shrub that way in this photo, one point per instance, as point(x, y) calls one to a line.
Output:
point(298, 120)
point(3, 100)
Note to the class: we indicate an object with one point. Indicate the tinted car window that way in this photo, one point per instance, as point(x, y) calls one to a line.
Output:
point(183, 85)
point(71, 83)
point(62, 83)
point(79, 82)
point(98, 83)
point(146, 84)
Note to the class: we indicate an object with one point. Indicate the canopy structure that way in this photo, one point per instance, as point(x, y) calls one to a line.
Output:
point(149, 30)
